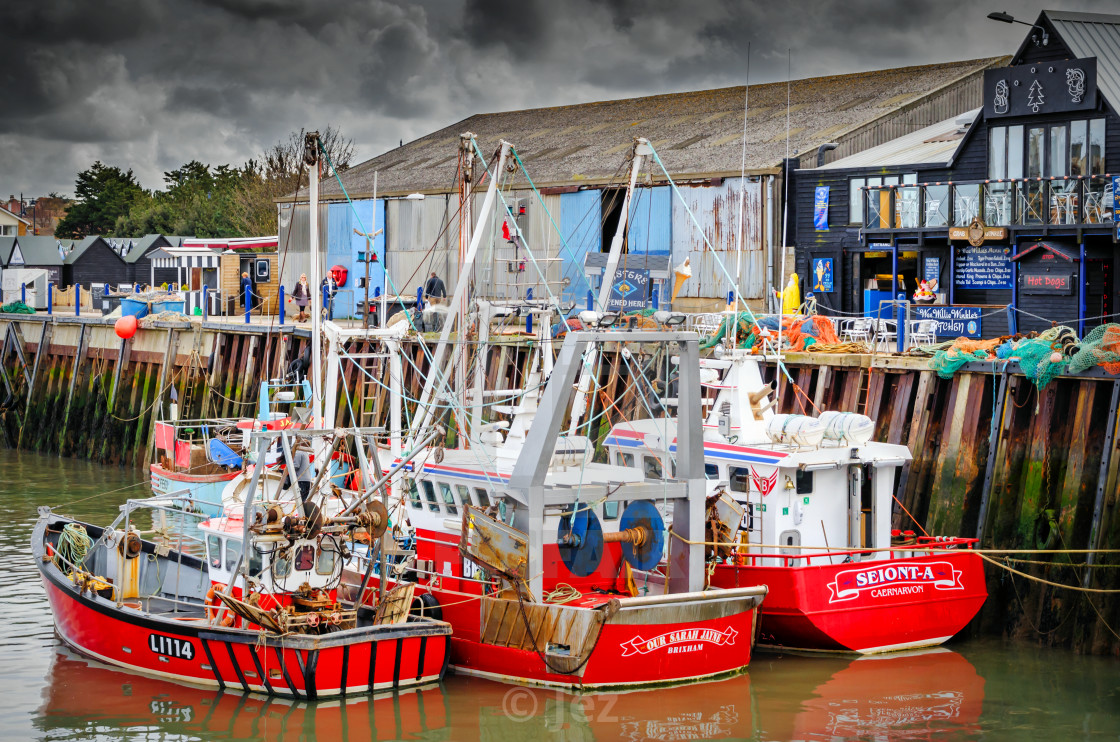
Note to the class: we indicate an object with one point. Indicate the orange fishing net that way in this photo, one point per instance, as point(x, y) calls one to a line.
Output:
point(803, 332)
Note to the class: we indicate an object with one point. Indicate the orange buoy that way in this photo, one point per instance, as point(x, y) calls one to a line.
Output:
point(126, 327)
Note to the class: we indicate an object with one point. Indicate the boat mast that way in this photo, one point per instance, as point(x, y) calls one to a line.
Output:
point(466, 147)
point(436, 379)
point(311, 157)
point(642, 150)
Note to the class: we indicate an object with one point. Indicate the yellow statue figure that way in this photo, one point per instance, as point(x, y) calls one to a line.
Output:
point(790, 296)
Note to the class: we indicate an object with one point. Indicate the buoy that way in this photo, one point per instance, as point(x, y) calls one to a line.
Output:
point(1055, 357)
point(126, 327)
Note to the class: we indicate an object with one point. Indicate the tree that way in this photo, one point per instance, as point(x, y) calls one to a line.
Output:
point(280, 172)
point(104, 194)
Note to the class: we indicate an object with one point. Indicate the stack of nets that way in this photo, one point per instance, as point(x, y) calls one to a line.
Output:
point(1101, 347)
point(1043, 357)
point(799, 332)
point(17, 307)
point(948, 358)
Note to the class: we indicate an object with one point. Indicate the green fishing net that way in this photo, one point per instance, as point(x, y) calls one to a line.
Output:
point(1101, 347)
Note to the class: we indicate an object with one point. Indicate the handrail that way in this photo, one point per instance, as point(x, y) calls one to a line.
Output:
point(930, 544)
point(1069, 200)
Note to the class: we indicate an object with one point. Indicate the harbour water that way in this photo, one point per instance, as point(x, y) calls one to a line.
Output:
point(977, 688)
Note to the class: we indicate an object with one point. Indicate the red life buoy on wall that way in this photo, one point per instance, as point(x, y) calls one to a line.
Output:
point(339, 273)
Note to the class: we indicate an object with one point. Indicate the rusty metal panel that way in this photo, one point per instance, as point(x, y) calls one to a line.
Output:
point(716, 208)
point(294, 243)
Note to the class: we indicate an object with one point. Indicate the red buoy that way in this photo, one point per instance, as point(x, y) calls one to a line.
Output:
point(126, 327)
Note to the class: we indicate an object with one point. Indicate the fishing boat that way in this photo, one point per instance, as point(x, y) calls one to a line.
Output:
point(197, 459)
point(137, 605)
point(816, 497)
point(507, 532)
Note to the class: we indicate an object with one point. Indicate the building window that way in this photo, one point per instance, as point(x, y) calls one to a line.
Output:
point(879, 198)
point(1076, 148)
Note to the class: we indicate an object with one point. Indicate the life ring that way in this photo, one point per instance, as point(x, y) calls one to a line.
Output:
point(425, 604)
point(214, 605)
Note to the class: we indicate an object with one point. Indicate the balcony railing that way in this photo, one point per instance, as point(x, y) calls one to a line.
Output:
point(1070, 201)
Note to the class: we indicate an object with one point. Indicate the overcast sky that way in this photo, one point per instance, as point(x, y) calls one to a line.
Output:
point(150, 85)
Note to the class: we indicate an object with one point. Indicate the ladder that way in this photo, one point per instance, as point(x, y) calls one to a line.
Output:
point(370, 387)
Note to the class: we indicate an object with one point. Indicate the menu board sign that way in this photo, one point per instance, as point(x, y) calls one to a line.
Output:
point(984, 267)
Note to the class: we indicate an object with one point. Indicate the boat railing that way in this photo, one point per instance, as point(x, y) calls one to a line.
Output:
point(926, 545)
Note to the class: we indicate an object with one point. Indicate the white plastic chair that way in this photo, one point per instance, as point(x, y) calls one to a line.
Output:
point(886, 334)
point(922, 332)
point(857, 330)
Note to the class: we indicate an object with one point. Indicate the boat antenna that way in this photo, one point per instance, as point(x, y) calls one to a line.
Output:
point(313, 160)
point(742, 202)
point(785, 207)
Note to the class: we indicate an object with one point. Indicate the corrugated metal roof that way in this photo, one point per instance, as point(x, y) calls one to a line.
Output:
point(1093, 35)
point(930, 145)
point(696, 133)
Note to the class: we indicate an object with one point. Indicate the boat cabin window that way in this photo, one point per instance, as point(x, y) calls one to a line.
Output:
point(651, 465)
point(214, 551)
point(625, 459)
point(325, 564)
point(790, 539)
point(711, 471)
point(464, 494)
point(610, 510)
point(256, 561)
point(804, 482)
point(413, 493)
point(281, 566)
point(740, 478)
point(483, 498)
point(448, 498)
point(233, 553)
point(748, 517)
point(305, 558)
point(430, 495)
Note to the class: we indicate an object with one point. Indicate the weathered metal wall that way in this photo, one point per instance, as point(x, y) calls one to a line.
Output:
point(716, 208)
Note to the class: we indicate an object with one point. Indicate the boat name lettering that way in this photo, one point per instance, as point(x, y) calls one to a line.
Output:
point(691, 639)
point(171, 647)
point(891, 579)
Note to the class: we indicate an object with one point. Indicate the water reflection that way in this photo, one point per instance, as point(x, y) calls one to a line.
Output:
point(912, 697)
point(85, 699)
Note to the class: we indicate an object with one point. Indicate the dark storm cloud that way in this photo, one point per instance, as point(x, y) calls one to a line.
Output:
point(150, 85)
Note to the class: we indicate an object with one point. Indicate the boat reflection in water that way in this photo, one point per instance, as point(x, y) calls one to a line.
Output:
point(914, 696)
point(86, 699)
point(908, 696)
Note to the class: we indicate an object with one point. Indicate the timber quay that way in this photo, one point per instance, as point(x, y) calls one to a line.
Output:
point(994, 456)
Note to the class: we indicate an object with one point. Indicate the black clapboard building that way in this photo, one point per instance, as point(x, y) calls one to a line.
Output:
point(1013, 205)
point(94, 262)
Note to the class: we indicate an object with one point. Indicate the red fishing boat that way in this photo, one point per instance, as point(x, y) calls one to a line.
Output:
point(815, 496)
point(258, 611)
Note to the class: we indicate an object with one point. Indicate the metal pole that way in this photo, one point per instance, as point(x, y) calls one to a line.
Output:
point(281, 304)
point(247, 305)
point(77, 300)
point(50, 298)
point(23, 292)
point(311, 156)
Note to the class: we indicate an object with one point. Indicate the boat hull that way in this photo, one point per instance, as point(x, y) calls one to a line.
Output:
point(866, 607)
point(205, 490)
point(192, 650)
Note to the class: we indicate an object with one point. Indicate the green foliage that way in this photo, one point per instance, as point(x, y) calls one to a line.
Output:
point(104, 194)
point(198, 200)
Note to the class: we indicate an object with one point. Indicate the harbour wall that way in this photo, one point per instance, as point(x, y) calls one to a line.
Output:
point(994, 456)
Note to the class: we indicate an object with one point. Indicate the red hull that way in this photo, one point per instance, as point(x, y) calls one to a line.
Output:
point(656, 643)
point(867, 607)
point(191, 650)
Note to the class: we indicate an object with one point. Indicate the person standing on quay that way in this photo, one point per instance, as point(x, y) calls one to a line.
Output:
point(301, 294)
point(246, 290)
point(434, 288)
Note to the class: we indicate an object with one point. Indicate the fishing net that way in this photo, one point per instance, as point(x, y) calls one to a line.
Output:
point(946, 361)
point(808, 331)
point(1044, 357)
point(1101, 347)
point(16, 307)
